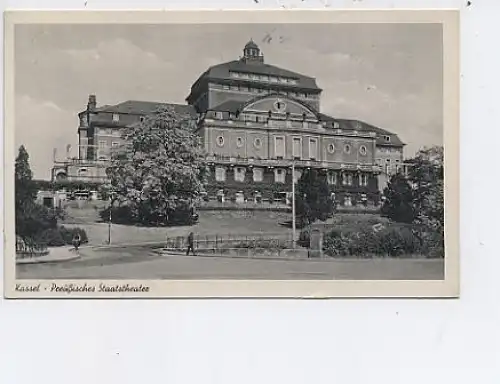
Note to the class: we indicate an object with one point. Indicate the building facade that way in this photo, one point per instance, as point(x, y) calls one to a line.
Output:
point(256, 120)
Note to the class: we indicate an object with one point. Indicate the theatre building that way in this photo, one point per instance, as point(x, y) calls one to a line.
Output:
point(256, 120)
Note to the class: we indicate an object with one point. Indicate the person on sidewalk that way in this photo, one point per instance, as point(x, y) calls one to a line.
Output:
point(77, 241)
point(190, 244)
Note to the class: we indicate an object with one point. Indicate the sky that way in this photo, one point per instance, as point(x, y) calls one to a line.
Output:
point(388, 75)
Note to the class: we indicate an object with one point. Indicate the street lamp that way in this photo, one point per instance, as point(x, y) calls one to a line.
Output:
point(293, 205)
point(110, 217)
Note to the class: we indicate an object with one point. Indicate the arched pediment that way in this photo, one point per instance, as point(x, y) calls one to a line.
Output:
point(277, 103)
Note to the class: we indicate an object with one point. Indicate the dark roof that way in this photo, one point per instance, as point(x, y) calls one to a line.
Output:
point(231, 106)
point(222, 72)
point(361, 125)
point(135, 107)
point(251, 44)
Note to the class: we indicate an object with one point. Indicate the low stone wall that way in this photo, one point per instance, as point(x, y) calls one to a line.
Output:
point(246, 253)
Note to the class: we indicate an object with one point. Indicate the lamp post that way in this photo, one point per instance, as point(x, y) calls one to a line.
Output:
point(109, 221)
point(110, 217)
point(293, 204)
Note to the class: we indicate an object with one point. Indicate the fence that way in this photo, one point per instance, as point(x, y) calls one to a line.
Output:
point(227, 241)
point(27, 248)
point(258, 246)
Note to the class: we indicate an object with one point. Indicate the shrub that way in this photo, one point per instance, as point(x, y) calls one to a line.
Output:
point(263, 243)
point(393, 241)
point(57, 237)
point(304, 238)
point(51, 237)
point(125, 214)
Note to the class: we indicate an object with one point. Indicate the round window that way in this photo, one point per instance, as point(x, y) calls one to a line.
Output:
point(279, 105)
point(239, 142)
point(331, 148)
point(362, 150)
point(347, 148)
point(257, 143)
point(220, 141)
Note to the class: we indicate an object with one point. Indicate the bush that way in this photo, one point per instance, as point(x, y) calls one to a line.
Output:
point(264, 243)
point(396, 240)
point(304, 238)
point(124, 214)
point(119, 215)
point(57, 237)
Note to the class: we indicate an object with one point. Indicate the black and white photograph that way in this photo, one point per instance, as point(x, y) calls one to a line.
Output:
point(229, 150)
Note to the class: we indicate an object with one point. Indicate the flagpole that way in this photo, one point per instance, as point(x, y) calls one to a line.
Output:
point(293, 205)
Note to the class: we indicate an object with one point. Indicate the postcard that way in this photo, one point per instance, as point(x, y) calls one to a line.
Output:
point(231, 154)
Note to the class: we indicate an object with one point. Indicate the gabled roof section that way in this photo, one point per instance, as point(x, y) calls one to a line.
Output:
point(136, 107)
point(358, 125)
point(231, 106)
point(222, 72)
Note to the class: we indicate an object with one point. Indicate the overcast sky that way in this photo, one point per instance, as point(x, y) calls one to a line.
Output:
point(389, 75)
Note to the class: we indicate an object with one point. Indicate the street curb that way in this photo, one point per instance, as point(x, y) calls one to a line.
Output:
point(38, 260)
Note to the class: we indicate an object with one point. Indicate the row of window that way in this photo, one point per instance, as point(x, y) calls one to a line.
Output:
point(245, 88)
point(116, 117)
point(104, 144)
point(265, 78)
point(279, 143)
point(280, 176)
point(389, 149)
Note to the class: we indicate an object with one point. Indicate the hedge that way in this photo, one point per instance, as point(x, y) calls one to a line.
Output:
point(60, 236)
point(395, 240)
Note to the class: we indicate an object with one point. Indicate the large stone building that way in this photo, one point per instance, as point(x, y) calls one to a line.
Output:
point(255, 120)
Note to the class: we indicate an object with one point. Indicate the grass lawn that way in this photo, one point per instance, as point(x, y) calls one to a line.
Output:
point(222, 223)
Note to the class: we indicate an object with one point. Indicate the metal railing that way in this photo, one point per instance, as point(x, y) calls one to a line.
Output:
point(27, 248)
point(233, 241)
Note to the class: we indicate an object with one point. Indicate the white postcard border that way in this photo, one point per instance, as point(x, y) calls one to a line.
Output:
point(449, 287)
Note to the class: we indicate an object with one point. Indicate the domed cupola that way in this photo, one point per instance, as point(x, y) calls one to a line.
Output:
point(251, 53)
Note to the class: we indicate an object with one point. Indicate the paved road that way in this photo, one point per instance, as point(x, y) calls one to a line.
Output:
point(136, 263)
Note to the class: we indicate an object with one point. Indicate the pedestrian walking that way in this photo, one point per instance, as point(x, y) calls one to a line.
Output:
point(77, 240)
point(190, 242)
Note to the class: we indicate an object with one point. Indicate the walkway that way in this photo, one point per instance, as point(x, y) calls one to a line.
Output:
point(56, 254)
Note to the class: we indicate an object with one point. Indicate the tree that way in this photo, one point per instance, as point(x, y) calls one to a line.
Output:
point(158, 172)
point(313, 199)
point(427, 178)
point(31, 218)
point(25, 187)
point(398, 203)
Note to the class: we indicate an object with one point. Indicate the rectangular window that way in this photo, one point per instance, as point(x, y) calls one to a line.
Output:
point(313, 148)
point(102, 145)
point(346, 179)
point(297, 147)
point(220, 174)
point(363, 179)
point(279, 175)
point(332, 178)
point(115, 144)
point(258, 175)
point(297, 175)
point(239, 174)
point(279, 147)
point(116, 117)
